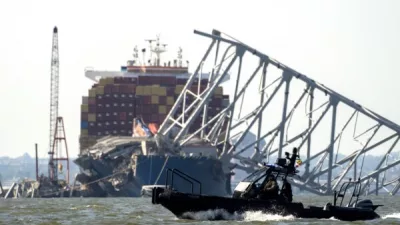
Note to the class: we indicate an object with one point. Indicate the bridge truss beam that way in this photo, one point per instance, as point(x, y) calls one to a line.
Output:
point(265, 100)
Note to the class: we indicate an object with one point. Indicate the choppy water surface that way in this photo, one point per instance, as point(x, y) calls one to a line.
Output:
point(141, 211)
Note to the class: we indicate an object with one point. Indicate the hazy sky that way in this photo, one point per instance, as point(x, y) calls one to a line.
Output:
point(350, 46)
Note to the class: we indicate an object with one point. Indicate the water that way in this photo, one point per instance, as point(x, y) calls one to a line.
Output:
point(141, 211)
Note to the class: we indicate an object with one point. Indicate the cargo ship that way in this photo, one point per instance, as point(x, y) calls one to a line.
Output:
point(119, 118)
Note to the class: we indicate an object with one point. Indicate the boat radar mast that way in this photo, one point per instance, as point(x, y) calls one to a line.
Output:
point(157, 49)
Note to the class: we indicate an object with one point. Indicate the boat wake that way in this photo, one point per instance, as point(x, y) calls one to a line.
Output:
point(220, 214)
point(392, 216)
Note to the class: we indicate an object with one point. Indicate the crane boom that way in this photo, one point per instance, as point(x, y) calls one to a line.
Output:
point(54, 83)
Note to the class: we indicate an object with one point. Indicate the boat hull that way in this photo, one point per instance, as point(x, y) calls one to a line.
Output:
point(183, 205)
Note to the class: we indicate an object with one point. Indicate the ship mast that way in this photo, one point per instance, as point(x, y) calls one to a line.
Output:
point(158, 49)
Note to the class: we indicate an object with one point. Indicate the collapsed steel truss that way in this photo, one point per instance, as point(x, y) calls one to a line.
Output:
point(330, 166)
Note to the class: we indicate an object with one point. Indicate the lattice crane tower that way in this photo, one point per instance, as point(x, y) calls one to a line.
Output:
point(54, 83)
point(57, 130)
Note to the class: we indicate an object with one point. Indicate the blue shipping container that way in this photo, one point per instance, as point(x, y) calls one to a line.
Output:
point(84, 125)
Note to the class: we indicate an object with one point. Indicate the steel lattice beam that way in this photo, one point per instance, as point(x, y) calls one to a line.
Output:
point(277, 133)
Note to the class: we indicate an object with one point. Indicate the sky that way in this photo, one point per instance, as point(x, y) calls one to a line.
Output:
point(350, 46)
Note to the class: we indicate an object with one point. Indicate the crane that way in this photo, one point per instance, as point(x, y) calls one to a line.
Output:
point(57, 131)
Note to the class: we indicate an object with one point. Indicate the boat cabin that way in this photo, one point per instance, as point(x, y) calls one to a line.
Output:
point(252, 185)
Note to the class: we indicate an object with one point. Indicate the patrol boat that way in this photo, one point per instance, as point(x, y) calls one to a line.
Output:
point(246, 197)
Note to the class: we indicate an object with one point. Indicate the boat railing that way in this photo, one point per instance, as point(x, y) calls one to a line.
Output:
point(182, 175)
point(343, 189)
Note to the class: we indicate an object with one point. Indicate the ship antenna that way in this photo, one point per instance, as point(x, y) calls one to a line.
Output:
point(150, 48)
point(135, 54)
point(180, 57)
point(151, 53)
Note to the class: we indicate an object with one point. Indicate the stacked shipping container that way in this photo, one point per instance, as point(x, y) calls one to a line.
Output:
point(112, 104)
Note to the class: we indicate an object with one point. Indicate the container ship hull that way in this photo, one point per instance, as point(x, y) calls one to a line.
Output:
point(148, 170)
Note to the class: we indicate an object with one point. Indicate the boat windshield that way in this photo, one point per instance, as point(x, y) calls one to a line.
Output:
point(255, 175)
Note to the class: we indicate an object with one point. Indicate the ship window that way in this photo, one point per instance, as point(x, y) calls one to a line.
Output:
point(107, 132)
point(107, 105)
point(255, 175)
point(99, 115)
point(107, 114)
point(114, 131)
point(122, 104)
point(130, 114)
point(122, 95)
point(115, 122)
point(115, 113)
point(115, 104)
point(107, 123)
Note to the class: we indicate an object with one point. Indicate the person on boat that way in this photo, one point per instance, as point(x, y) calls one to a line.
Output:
point(286, 191)
point(270, 189)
